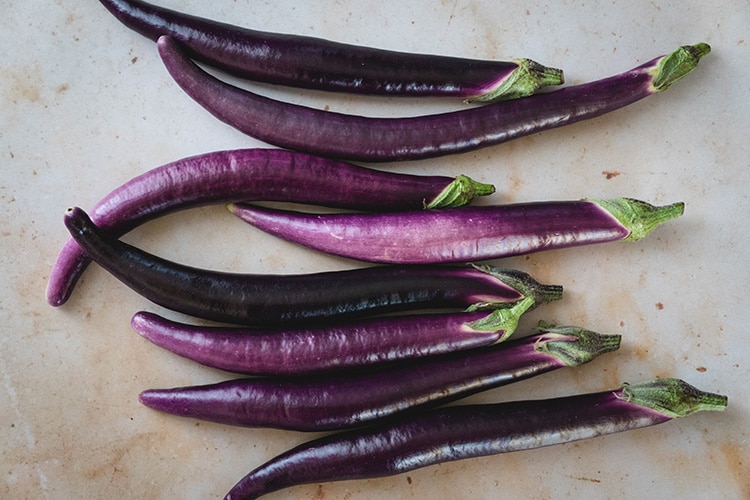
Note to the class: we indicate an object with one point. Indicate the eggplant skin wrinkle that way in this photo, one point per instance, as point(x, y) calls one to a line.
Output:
point(258, 299)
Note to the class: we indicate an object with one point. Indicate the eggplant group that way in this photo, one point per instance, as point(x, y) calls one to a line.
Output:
point(372, 352)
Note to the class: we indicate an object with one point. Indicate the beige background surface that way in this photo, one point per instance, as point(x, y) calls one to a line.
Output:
point(85, 105)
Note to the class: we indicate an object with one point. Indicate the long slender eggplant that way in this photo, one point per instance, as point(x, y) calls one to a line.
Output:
point(370, 139)
point(460, 432)
point(463, 234)
point(254, 175)
point(343, 345)
point(257, 299)
point(337, 401)
point(314, 63)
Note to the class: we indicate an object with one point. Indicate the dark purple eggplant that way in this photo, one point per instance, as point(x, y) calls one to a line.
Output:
point(459, 432)
point(338, 401)
point(464, 234)
point(343, 345)
point(254, 175)
point(339, 135)
point(314, 63)
point(258, 299)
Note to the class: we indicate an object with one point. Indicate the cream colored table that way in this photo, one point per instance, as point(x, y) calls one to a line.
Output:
point(85, 105)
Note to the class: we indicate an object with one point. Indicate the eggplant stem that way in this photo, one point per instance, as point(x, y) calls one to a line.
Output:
point(572, 345)
point(673, 67)
point(523, 282)
point(523, 81)
point(672, 397)
point(503, 319)
point(638, 217)
point(460, 192)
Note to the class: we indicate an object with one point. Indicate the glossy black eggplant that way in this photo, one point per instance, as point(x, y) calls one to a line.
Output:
point(315, 63)
point(264, 298)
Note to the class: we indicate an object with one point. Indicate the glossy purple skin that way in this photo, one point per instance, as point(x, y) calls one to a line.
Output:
point(246, 174)
point(256, 299)
point(327, 133)
point(465, 234)
point(312, 62)
point(444, 435)
point(338, 401)
point(312, 349)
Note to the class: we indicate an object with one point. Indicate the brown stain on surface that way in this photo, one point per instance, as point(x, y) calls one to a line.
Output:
point(737, 466)
point(24, 85)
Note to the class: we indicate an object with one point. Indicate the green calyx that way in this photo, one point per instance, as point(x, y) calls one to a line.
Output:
point(520, 281)
point(639, 217)
point(503, 319)
point(525, 80)
point(460, 192)
point(672, 397)
point(673, 67)
point(574, 346)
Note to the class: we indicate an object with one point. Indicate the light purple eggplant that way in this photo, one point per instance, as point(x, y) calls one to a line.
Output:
point(328, 347)
point(338, 135)
point(253, 175)
point(315, 63)
point(265, 299)
point(468, 431)
point(465, 234)
point(337, 401)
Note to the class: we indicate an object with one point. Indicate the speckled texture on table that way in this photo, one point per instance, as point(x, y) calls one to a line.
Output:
point(85, 105)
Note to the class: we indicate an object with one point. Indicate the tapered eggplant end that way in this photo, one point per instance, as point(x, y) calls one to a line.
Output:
point(505, 320)
point(673, 67)
point(638, 217)
point(524, 283)
point(574, 346)
point(159, 399)
point(672, 397)
point(143, 323)
point(460, 192)
point(523, 81)
point(77, 221)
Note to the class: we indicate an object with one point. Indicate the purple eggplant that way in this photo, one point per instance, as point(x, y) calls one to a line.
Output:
point(343, 345)
point(254, 175)
point(463, 234)
point(258, 299)
point(339, 135)
point(459, 432)
point(337, 401)
point(315, 63)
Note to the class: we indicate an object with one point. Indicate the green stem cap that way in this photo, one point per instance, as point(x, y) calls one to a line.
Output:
point(574, 346)
point(460, 192)
point(523, 81)
point(521, 281)
point(672, 397)
point(639, 217)
point(503, 319)
point(673, 67)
